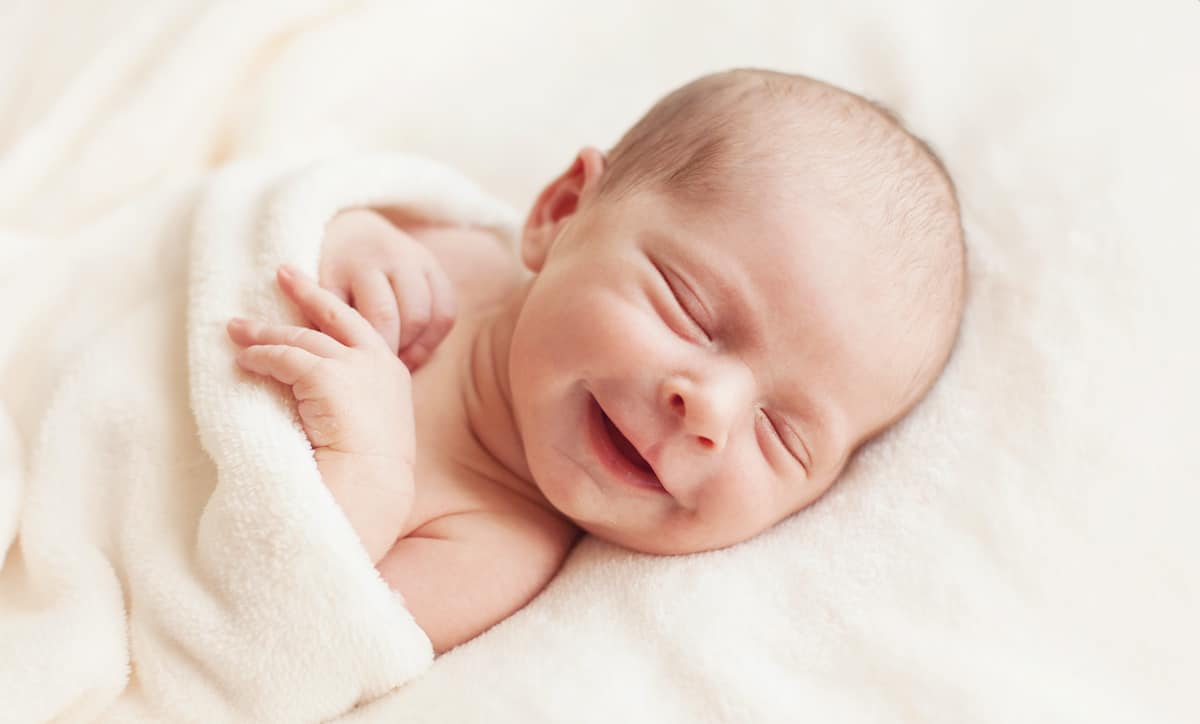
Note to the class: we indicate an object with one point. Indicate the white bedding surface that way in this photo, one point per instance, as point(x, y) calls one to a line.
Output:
point(1020, 549)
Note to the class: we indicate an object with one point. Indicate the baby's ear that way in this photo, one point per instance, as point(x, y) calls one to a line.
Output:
point(557, 202)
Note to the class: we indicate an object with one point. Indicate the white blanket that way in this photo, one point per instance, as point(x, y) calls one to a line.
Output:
point(1021, 549)
point(178, 556)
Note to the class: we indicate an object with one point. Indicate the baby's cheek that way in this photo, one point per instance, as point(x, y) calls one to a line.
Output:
point(612, 325)
point(751, 490)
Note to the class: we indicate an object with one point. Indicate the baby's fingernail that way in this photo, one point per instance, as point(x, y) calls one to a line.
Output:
point(287, 271)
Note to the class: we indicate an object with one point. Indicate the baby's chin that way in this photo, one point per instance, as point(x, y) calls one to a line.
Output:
point(597, 519)
point(654, 543)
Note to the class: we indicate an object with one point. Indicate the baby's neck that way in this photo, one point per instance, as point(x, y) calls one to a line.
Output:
point(487, 394)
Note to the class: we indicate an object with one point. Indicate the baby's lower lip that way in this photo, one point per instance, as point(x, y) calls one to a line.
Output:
point(613, 459)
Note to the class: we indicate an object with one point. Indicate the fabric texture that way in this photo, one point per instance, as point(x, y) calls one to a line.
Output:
point(179, 558)
point(1021, 548)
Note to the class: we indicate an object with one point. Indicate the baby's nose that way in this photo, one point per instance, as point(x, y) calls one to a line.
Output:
point(680, 407)
point(707, 408)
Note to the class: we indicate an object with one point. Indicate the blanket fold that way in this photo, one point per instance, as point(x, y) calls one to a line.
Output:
point(172, 553)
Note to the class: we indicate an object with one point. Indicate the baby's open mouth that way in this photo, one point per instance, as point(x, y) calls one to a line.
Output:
point(623, 445)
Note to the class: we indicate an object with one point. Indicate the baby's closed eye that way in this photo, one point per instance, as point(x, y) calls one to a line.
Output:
point(687, 302)
point(780, 437)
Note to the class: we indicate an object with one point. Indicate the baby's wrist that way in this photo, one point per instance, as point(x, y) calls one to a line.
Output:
point(374, 492)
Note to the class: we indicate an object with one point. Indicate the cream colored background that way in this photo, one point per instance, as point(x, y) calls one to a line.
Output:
point(1021, 549)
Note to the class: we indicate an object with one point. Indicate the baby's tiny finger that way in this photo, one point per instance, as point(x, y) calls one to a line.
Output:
point(323, 308)
point(375, 300)
point(412, 297)
point(444, 307)
point(235, 328)
point(281, 362)
point(246, 332)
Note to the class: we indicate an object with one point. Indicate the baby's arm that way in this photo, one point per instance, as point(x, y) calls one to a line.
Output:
point(462, 574)
point(354, 399)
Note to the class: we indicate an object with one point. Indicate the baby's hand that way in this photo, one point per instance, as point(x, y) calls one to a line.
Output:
point(354, 398)
point(393, 281)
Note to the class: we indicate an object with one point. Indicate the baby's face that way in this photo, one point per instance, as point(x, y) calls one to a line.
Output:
point(685, 378)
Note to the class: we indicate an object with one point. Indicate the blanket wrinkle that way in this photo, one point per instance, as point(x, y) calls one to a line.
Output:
point(176, 555)
point(1021, 548)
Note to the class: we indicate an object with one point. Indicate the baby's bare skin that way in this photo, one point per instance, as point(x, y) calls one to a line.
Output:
point(474, 549)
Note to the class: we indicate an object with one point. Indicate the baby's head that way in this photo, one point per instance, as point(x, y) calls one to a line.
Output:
point(762, 275)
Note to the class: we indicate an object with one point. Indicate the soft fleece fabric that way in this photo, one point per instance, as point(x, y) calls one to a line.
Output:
point(177, 557)
point(1021, 549)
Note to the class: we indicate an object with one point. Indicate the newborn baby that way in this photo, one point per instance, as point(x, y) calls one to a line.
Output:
point(763, 274)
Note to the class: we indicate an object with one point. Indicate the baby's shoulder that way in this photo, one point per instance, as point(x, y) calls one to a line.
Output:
point(483, 270)
point(482, 267)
